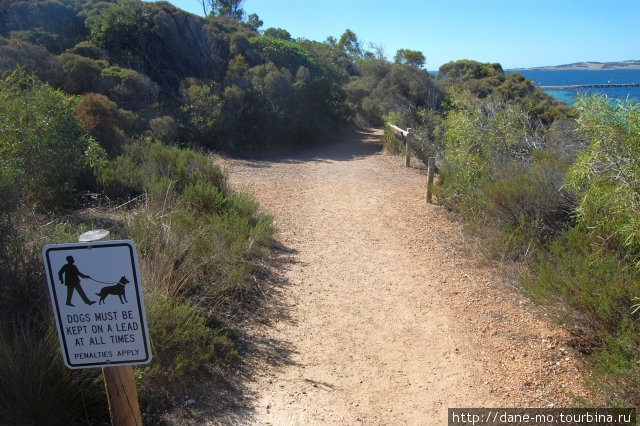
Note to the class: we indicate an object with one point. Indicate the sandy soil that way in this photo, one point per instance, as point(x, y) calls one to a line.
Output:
point(384, 318)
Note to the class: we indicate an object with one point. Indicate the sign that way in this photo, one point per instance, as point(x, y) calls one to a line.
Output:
point(97, 303)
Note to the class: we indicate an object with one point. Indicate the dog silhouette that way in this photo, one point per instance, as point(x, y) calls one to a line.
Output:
point(116, 290)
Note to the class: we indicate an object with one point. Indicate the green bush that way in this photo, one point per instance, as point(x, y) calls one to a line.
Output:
point(197, 234)
point(598, 287)
point(594, 267)
point(163, 129)
point(391, 143)
point(81, 74)
point(43, 150)
point(499, 171)
point(489, 81)
point(606, 175)
point(151, 166)
point(182, 340)
point(284, 53)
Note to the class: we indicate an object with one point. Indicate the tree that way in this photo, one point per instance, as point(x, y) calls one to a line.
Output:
point(205, 4)
point(229, 8)
point(410, 57)
point(254, 22)
point(278, 33)
point(203, 108)
point(377, 50)
point(350, 45)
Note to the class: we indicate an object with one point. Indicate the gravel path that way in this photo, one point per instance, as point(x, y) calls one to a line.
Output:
point(388, 321)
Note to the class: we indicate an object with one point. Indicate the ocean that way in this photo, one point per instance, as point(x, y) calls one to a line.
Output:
point(571, 77)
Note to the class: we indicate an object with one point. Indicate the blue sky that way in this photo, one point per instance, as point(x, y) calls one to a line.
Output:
point(515, 33)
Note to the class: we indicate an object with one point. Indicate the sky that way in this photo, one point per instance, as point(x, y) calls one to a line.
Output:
point(514, 33)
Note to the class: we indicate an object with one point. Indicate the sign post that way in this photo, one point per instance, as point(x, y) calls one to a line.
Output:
point(97, 303)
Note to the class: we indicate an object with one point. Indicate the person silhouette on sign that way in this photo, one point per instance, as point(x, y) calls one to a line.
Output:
point(72, 275)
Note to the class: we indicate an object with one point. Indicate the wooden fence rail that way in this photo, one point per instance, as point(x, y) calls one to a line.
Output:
point(407, 136)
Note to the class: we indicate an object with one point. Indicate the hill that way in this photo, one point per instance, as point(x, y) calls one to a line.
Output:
point(622, 65)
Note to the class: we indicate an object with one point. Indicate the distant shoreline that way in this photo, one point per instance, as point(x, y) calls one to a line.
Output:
point(587, 66)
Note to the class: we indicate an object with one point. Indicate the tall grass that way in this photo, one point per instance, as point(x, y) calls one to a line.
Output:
point(196, 241)
point(36, 388)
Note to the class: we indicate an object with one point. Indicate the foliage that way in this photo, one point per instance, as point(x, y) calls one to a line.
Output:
point(129, 89)
point(606, 176)
point(229, 8)
point(50, 23)
point(101, 119)
point(163, 129)
point(598, 287)
point(489, 80)
point(80, 74)
point(278, 33)
point(182, 341)
point(42, 148)
point(350, 45)
point(497, 169)
point(593, 267)
point(391, 143)
point(37, 388)
point(383, 88)
point(284, 53)
point(203, 107)
point(465, 70)
point(33, 58)
point(410, 57)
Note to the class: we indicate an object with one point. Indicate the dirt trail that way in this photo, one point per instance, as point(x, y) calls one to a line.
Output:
point(388, 321)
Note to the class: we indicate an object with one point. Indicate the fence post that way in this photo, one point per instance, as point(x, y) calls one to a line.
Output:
point(119, 382)
point(407, 160)
point(430, 171)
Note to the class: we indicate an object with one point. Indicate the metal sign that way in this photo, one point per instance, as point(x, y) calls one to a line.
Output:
point(97, 303)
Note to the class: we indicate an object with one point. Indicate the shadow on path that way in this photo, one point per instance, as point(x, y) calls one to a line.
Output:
point(222, 394)
point(349, 144)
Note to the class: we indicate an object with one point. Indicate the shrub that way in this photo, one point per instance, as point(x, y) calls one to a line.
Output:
point(101, 118)
point(606, 176)
point(42, 145)
point(81, 74)
point(203, 107)
point(182, 341)
point(197, 233)
point(499, 172)
point(284, 53)
point(89, 50)
point(35, 59)
point(37, 388)
point(391, 143)
point(163, 129)
point(128, 88)
point(594, 267)
point(598, 288)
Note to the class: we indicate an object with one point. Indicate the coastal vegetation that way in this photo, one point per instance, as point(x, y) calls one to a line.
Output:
point(109, 110)
point(553, 190)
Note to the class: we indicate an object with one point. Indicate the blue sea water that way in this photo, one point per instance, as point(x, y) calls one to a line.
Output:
point(572, 77)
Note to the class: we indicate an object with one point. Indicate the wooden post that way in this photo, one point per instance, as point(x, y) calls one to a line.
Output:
point(430, 171)
point(122, 396)
point(119, 382)
point(407, 160)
